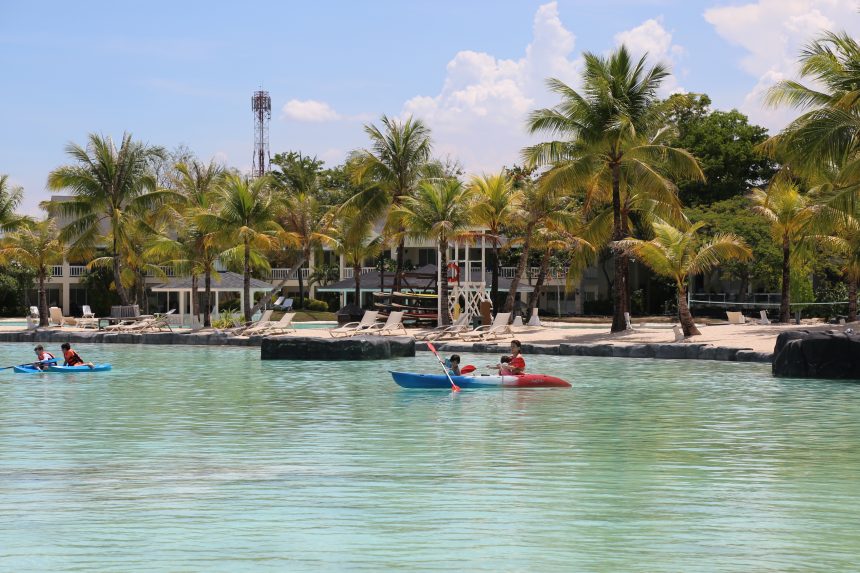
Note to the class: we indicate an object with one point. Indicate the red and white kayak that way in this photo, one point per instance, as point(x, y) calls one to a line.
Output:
point(415, 380)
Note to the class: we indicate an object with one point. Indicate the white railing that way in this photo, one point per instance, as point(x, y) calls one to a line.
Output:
point(77, 270)
point(57, 271)
point(167, 270)
point(348, 271)
point(280, 274)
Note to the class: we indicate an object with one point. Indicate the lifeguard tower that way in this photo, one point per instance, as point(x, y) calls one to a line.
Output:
point(467, 287)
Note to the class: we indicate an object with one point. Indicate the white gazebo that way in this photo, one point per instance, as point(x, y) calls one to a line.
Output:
point(227, 282)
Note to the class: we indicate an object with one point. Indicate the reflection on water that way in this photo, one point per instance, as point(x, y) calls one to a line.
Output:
point(207, 459)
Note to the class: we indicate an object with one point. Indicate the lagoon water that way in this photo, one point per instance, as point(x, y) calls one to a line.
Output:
point(207, 459)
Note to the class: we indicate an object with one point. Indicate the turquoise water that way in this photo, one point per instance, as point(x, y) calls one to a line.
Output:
point(304, 325)
point(207, 459)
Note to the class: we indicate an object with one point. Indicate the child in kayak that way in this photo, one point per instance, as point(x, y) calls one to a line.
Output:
point(72, 358)
point(43, 357)
point(513, 364)
point(453, 364)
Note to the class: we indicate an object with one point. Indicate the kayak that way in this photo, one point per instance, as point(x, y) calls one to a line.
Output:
point(30, 369)
point(414, 380)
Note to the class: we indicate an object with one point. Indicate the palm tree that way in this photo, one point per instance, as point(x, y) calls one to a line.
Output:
point(677, 254)
point(244, 221)
point(306, 223)
point(496, 202)
point(612, 131)
point(541, 206)
point(10, 199)
point(551, 239)
point(390, 171)
point(438, 211)
point(198, 184)
point(352, 237)
point(789, 214)
point(36, 245)
point(111, 186)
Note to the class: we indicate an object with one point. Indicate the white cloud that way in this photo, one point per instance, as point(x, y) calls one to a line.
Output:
point(479, 115)
point(309, 110)
point(773, 32)
point(653, 39)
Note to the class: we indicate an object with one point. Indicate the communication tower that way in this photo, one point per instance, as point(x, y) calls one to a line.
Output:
point(261, 104)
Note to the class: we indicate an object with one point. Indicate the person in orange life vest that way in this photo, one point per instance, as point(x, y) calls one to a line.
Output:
point(71, 357)
point(43, 356)
point(515, 364)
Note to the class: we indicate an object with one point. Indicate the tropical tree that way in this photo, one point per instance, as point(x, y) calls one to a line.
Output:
point(244, 222)
point(678, 254)
point(38, 246)
point(110, 187)
point(306, 222)
point(541, 207)
point(789, 214)
point(612, 131)
point(352, 238)
point(496, 201)
point(389, 171)
point(438, 211)
point(10, 199)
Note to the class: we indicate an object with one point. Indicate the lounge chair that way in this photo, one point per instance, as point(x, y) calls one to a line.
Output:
point(353, 328)
point(87, 312)
point(498, 328)
point(57, 318)
point(679, 334)
point(736, 317)
point(34, 312)
point(88, 318)
point(239, 330)
point(278, 302)
point(149, 323)
point(448, 330)
point(764, 319)
point(287, 305)
point(270, 327)
point(393, 324)
point(628, 325)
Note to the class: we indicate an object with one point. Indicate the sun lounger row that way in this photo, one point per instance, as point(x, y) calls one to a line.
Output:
point(369, 325)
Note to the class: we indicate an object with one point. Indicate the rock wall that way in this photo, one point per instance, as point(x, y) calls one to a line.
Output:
point(805, 354)
point(354, 348)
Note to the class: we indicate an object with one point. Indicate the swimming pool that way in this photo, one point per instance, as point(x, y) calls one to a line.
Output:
point(206, 458)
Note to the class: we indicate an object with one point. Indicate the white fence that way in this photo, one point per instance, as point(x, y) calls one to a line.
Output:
point(281, 274)
point(348, 271)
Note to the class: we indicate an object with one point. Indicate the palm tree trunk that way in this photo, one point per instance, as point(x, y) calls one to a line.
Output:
point(541, 278)
point(494, 278)
point(195, 314)
point(120, 289)
point(784, 305)
point(246, 282)
point(521, 267)
point(688, 325)
point(443, 286)
point(270, 296)
point(207, 311)
point(852, 299)
point(356, 275)
point(43, 300)
point(625, 261)
point(401, 253)
point(301, 288)
point(620, 282)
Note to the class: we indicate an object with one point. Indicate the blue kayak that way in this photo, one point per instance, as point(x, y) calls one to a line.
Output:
point(415, 380)
point(30, 369)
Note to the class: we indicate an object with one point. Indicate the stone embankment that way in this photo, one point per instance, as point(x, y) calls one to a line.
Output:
point(58, 335)
point(805, 354)
point(687, 351)
point(355, 348)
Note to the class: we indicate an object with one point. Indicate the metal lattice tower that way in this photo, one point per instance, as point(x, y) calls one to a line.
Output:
point(261, 104)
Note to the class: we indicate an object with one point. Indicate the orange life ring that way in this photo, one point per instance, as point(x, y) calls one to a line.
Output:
point(453, 273)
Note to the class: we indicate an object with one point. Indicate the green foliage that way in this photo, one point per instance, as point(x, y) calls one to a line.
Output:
point(101, 293)
point(228, 319)
point(735, 216)
point(316, 305)
point(836, 292)
point(15, 280)
point(725, 143)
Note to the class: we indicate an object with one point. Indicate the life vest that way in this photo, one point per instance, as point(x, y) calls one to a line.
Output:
point(72, 358)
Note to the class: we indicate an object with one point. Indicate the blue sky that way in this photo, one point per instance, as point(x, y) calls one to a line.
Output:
point(183, 72)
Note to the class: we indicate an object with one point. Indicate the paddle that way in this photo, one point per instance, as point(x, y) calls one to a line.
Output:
point(432, 349)
point(46, 361)
point(467, 369)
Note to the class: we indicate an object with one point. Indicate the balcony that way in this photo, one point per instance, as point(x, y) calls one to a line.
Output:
point(57, 270)
point(281, 274)
point(348, 272)
point(77, 270)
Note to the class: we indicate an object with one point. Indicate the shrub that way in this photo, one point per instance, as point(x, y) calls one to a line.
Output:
point(228, 320)
point(316, 305)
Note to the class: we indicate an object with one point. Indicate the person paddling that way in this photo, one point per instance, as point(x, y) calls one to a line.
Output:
point(43, 356)
point(72, 358)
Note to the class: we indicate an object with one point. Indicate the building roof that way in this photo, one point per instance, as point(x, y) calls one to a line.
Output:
point(227, 281)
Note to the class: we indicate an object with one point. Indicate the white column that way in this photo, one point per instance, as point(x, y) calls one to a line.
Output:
point(181, 294)
point(439, 286)
point(311, 260)
point(342, 270)
point(242, 304)
point(217, 311)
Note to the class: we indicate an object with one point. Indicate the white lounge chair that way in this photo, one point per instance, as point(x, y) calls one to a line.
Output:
point(271, 327)
point(287, 305)
point(34, 312)
point(278, 302)
point(498, 328)
point(264, 318)
point(764, 319)
point(736, 317)
point(57, 318)
point(679, 334)
point(352, 328)
point(87, 312)
point(393, 324)
point(448, 330)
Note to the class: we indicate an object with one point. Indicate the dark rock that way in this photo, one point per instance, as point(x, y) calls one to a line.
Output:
point(670, 351)
point(642, 351)
point(354, 348)
point(621, 351)
point(804, 354)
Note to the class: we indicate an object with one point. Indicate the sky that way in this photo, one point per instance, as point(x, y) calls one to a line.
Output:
point(182, 73)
